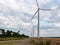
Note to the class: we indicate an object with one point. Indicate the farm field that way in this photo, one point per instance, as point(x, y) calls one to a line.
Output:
point(32, 41)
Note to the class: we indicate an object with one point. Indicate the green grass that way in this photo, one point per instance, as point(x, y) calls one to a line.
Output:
point(9, 42)
point(11, 38)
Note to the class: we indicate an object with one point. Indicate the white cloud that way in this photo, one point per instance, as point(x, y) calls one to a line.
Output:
point(56, 24)
point(18, 5)
point(26, 25)
point(45, 1)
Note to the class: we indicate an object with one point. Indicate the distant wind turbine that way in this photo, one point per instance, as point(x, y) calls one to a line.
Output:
point(32, 29)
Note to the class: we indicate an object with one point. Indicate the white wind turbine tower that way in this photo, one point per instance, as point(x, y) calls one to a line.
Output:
point(37, 12)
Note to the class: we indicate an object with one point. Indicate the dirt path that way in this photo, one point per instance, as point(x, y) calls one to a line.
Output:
point(24, 42)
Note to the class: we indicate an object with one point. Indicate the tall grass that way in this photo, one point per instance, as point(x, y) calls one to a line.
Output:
point(45, 43)
point(40, 42)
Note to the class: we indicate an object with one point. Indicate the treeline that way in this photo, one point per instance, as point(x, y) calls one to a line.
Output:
point(9, 33)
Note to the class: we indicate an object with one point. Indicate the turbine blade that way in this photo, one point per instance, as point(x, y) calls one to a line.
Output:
point(34, 14)
point(47, 9)
point(37, 3)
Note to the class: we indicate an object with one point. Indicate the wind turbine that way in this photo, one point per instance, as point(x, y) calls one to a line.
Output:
point(37, 12)
point(32, 29)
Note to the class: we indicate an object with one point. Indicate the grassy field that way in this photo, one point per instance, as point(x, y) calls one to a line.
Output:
point(45, 41)
point(9, 42)
point(34, 41)
point(11, 38)
point(24, 41)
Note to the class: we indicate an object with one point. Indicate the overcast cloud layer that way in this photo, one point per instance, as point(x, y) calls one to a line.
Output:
point(16, 14)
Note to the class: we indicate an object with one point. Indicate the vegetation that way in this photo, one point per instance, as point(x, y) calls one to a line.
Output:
point(40, 42)
point(10, 42)
point(43, 43)
point(9, 33)
point(11, 38)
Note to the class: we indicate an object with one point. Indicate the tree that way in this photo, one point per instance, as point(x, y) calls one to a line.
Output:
point(14, 34)
point(8, 33)
point(3, 32)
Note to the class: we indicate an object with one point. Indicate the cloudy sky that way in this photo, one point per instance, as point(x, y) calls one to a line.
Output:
point(16, 15)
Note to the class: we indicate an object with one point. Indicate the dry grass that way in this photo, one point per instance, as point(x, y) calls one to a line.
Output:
point(53, 41)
